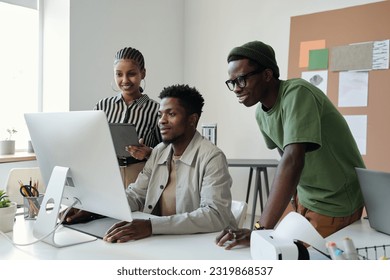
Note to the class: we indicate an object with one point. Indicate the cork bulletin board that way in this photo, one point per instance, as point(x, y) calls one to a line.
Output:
point(332, 30)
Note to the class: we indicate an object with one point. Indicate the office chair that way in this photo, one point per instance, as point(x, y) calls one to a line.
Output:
point(239, 209)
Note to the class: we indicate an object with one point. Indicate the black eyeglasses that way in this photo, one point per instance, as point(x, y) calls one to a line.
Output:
point(240, 81)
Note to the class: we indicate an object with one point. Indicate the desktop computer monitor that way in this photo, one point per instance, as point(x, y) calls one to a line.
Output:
point(77, 159)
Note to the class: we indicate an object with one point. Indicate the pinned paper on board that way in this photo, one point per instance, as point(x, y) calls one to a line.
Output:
point(353, 89)
point(317, 78)
point(351, 57)
point(380, 55)
point(358, 126)
point(304, 49)
point(318, 59)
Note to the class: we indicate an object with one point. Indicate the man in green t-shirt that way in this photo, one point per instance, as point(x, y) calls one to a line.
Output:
point(318, 152)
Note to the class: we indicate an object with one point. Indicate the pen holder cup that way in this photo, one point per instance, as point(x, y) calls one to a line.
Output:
point(31, 206)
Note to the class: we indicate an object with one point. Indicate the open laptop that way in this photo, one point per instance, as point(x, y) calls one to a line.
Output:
point(375, 186)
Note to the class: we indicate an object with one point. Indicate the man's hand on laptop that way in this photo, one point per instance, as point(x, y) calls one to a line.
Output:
point(125, 231)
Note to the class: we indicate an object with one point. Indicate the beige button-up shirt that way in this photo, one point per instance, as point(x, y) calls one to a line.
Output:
point(203, 182)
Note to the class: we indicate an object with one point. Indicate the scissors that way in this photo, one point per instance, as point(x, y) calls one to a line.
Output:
point(29, 191)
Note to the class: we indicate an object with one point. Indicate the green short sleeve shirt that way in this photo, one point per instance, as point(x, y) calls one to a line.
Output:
point(303, 114)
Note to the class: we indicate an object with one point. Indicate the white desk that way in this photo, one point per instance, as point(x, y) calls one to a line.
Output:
point(363, 236)
point(159, 247)
point(165, 247)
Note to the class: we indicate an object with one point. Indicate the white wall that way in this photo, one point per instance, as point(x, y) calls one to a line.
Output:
point(100, 28)
point(183, 42)
point(55, 55)
point(81, 38)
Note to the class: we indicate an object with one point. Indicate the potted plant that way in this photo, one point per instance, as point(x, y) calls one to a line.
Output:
point(7, 146)
point(7, 212)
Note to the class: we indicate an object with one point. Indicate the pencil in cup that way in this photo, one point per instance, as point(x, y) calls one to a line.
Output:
point(31, 206)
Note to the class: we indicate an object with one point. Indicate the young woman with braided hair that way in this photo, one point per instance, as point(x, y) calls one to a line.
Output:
point(131, 105)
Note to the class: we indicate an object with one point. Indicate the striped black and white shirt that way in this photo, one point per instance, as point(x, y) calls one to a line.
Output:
point(143, 113)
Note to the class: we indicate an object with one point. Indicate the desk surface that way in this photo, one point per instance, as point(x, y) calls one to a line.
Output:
point(363, 236)
point(253, 162)
point(159, 247)
point(163, 247)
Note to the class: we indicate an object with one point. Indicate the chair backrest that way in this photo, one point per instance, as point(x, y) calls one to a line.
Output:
point(239, 209)
point(24, 175)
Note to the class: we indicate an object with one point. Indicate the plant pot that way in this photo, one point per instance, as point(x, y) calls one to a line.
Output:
point(7, 147)
point(7, 217)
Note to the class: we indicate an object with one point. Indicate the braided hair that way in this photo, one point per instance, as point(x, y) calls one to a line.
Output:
point(130, 53)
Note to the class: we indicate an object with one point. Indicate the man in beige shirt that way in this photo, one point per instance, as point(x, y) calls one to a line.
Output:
point(185, 182)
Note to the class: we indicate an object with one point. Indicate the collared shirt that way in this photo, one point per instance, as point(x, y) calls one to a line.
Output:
point(143, 113)
point(203, 182)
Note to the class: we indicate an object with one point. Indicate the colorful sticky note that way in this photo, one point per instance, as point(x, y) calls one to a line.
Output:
point(305, 47)
point(318, 59)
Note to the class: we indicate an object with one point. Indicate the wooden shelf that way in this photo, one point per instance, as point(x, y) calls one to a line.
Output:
point(18, 156)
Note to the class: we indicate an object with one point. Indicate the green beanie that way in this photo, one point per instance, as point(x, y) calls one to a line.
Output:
point(258, 52)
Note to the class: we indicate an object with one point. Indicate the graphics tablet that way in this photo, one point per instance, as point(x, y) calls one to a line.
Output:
point(99, 227)
point(123, 134)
